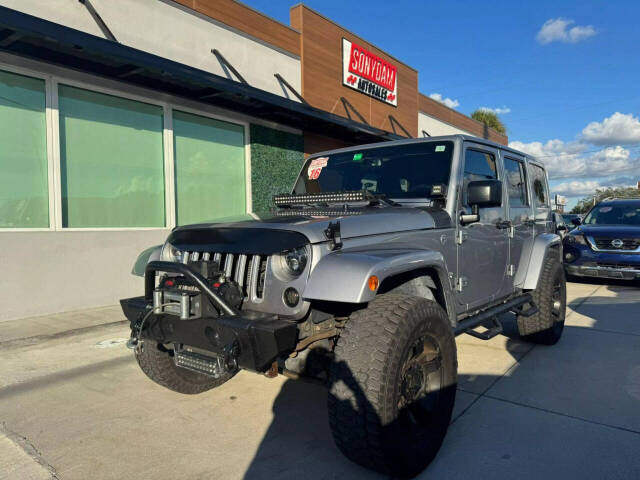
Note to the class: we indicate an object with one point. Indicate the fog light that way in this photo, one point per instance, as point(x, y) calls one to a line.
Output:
point(569, 257)
point(291, 297)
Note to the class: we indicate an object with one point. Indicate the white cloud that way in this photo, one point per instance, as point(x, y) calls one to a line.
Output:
point(557, 30)
point(574, 160)
point(446, 101)
point(576, 188)
point(619, 128)
point(497, 110)
point(581, 188)
point(562, 159)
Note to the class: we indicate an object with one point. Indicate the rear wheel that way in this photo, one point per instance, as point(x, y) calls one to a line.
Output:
point(546, 326)
point(393, 384)
point(157, 363)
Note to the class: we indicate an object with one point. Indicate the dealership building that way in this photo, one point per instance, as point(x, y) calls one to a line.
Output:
point(121, 120)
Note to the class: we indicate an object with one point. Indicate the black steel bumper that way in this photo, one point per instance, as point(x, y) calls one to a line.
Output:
point(253, 339)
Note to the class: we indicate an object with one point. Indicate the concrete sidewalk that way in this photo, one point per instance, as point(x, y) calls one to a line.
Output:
point(36, 329)
point(75, 405)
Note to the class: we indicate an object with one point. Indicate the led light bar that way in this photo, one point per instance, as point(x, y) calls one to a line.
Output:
point(332, 197)
point(316, 213)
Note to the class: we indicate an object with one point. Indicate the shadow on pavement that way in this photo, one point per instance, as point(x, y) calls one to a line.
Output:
point(299, 442)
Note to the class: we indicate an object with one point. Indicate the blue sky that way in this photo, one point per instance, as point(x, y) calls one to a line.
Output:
point(567, 71)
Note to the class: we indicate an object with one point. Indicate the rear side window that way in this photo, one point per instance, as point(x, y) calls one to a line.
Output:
point(539, 186)
point(516, 182)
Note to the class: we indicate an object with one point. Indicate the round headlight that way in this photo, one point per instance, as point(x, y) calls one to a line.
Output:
point(294, 261)
point(170, 253)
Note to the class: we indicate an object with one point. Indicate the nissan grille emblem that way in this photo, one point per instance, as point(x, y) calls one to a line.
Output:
point(617, 243)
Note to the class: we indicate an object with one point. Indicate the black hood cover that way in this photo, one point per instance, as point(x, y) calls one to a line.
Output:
point(255, 241)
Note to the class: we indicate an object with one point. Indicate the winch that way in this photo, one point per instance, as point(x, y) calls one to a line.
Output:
point(177, 295)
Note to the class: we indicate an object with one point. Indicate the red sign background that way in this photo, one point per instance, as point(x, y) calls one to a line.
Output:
point(373, 68)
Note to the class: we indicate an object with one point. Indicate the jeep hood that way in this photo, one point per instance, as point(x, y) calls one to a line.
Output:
point(269, 233)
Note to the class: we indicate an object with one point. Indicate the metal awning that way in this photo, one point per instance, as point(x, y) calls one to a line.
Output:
point(35, 38)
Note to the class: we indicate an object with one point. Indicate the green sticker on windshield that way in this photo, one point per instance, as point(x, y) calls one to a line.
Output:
point(357, 157)
point(440, 148)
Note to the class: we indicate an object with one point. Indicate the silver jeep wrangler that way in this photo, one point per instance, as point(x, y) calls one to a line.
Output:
point(361, 278)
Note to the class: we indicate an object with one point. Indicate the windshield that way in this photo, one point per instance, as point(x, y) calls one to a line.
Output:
point(401, 171)
point(628, 214)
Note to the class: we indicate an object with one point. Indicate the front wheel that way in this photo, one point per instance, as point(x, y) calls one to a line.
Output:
point(545, 327)
point(393, 384)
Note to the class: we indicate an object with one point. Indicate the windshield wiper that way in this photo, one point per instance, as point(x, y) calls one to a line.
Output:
point(383, 198)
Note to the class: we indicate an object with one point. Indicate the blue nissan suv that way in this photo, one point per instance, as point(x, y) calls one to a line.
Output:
point(607, 242)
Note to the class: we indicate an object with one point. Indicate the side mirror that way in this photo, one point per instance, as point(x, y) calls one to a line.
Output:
point(561, 228)
point(482, 194)
point(576, 221)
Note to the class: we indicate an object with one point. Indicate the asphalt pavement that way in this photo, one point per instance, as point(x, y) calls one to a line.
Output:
point(74, 405)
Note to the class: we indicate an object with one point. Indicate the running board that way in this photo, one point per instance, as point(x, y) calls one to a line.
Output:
point(515, 305)
point(491, 331)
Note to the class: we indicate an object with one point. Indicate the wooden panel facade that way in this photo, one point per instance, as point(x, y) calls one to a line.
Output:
point(318, 42)
point(314, 143)
point(441, 112)
point(249, 21)
point(321, 56)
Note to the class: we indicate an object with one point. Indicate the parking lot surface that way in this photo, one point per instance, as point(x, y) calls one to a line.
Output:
point(74, 405)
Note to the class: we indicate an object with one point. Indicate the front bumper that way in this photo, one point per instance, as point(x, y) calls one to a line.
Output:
point(253, 340)
point(621, 272)
point(582, 261)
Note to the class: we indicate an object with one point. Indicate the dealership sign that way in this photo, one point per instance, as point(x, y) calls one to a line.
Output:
point(368, 73)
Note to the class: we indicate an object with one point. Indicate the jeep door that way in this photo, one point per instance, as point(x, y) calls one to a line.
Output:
point(520, 215)
point(483, 246)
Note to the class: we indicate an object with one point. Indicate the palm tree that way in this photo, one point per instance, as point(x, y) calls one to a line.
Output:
point(490, 119)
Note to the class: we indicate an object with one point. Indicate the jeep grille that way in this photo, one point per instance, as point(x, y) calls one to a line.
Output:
point(247, 270)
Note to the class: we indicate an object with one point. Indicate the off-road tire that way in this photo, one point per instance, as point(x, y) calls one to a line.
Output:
point(366, 379)
point(545, 327)
point(157, 364)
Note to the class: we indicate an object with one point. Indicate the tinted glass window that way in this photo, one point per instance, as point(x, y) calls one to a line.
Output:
point(539, 185)
point(405, 171)
point(111, 161)
point(478, 166)
point(614, 215)
point(24, 194)
point(209, 168)
point(516, 182)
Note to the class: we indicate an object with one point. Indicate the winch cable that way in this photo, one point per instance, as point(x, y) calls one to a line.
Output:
point(134, 341)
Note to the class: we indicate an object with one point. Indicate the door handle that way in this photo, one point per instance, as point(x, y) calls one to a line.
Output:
point(502, 224)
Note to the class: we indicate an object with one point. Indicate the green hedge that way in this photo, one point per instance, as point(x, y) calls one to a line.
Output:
point(276, 158)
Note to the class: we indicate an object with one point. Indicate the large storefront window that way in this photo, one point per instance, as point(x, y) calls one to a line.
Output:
point(111, 161)
point(209, 168)
point(24, 195)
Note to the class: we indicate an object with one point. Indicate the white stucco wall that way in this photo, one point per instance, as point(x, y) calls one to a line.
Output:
point(47, 272)
point(176, 33)
point(435, 127)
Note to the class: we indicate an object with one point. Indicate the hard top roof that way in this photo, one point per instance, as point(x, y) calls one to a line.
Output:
point(408, 141)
